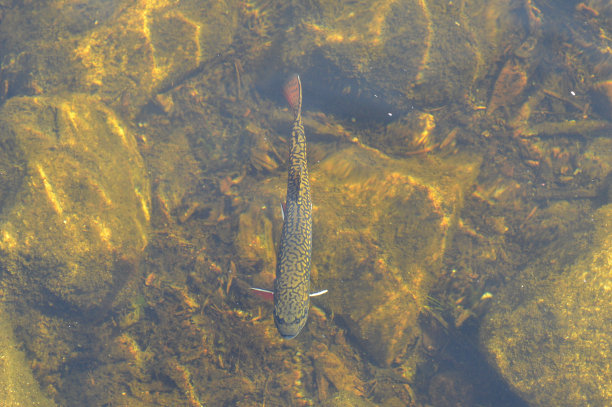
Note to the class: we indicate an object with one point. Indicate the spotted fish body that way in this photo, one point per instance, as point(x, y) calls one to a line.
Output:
point(292, 284)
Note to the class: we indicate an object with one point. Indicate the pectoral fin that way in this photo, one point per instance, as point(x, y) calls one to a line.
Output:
point(265, 294)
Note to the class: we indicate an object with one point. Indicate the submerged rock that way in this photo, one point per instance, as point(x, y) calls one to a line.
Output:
point(451, 388)
point(78, 217)
point(381, 229)
point(549, 335)
point(122, 51)
point(397, 54)
point(17, 384)
point(347, 399)
point(149, 46)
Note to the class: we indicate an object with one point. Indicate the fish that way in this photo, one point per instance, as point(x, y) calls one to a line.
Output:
point(291, 292)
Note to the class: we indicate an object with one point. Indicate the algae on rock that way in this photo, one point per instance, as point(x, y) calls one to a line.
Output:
point(552, 328)
point(83, 204)
point(18, 387)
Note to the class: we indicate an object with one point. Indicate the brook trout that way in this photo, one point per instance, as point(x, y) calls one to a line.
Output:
point(292, 284)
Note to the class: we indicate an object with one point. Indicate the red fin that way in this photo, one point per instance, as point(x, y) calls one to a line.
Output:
point(265, 294)
point(293, 93)
point(283, 209)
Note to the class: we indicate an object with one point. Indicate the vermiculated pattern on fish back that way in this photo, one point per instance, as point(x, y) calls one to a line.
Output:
point(292, 284)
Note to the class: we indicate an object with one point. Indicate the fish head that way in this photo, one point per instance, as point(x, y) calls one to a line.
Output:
point(291, 330)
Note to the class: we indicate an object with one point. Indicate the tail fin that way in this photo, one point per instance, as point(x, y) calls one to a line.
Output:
point(293, 94)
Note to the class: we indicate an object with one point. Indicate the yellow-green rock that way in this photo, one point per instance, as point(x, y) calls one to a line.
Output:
point(79, 217)
point(18, 387)
point(381, 228)
point(549, 333)
point(122, 51)
point(149, 45)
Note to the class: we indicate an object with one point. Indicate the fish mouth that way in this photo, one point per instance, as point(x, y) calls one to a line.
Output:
point(290, 330)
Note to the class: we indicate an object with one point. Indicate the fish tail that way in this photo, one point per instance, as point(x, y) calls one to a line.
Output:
point(293, 94)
